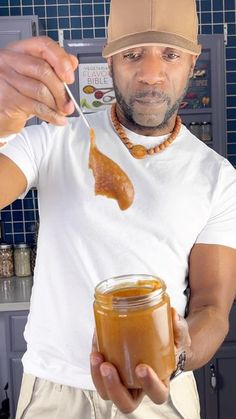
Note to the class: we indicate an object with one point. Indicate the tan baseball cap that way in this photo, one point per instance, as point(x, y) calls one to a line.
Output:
point(133, 23)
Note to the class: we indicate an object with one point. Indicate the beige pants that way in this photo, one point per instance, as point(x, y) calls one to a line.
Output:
point(41, 399)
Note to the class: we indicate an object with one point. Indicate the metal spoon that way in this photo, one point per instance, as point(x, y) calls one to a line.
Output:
point(77, 107)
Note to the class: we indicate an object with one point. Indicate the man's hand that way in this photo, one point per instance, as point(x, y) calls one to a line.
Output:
point(182, 338)
point(32, 73)
point(108, 384)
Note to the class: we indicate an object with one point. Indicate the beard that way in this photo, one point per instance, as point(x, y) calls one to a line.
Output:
point(128, 107)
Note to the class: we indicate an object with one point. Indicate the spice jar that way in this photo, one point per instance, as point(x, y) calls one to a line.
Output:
point(194, 127)
point(22, 260)
point(6, 261)
point(206, 131)
point(134, 325)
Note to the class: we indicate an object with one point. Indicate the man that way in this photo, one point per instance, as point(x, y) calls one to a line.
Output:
point(181, 225)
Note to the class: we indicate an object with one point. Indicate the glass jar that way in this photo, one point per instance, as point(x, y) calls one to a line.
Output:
point(206, 131)
point(33, 258)
point(134, 325)
point(6, 261)
point(22, 260)
point(195, 128)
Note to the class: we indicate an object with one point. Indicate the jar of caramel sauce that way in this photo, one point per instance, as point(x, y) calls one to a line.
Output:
point(134, 325)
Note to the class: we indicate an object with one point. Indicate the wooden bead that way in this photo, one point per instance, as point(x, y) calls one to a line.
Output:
point(139, 151)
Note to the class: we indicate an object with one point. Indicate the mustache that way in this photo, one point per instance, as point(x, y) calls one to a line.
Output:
point(152, 94)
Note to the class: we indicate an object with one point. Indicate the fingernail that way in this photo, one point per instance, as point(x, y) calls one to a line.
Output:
point(105, 370)
point(142, 372)
point(94, 360)
point(69, 76)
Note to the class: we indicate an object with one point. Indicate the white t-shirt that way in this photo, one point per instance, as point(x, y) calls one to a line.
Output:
point(184, 195)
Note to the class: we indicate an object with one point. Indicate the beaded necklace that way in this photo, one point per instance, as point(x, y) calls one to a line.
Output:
point(140, 151)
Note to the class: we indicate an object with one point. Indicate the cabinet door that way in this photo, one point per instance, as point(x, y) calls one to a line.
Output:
point(16, 369)
point(15, 347)
point(220, 391)
point(17, 326)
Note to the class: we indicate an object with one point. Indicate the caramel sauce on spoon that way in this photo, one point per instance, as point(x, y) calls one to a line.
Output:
point(110, 180)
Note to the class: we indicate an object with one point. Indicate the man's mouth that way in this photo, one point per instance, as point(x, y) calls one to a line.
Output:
point(152, 98)
point(150, 101)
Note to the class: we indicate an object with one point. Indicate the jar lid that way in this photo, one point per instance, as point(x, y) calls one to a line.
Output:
point(5, 246)
point(205, 123)
point(21, 246)
point(194, 123)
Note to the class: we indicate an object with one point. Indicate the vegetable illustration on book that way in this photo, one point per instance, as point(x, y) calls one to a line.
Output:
point(95, 85)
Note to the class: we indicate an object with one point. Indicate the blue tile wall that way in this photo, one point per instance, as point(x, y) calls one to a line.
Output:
point(20, 219)
point(88, 19)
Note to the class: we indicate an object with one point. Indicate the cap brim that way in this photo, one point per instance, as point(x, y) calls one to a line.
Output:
point(151, 38)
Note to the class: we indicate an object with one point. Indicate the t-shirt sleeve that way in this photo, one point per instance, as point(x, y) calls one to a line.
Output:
point(26, 150)
point(221, 225)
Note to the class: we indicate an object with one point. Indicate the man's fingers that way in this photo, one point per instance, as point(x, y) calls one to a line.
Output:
point(36, 75)
point(126, 401)
point(181, 333)
point(17, 107)
point(45, 48)
point(155, 389)
point(96, 360)
point(30, 88)
point(32, 72)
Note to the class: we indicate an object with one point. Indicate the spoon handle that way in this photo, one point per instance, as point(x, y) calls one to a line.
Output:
point(77, 107)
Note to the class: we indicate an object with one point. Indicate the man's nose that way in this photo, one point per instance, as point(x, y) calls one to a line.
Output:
point(152, 70)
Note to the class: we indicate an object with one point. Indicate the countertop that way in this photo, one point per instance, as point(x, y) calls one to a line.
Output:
point(15, 293)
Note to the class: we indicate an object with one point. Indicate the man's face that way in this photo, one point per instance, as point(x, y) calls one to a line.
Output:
point(150, 83)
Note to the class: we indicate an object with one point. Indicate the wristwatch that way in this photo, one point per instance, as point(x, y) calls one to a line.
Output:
point(180, 365)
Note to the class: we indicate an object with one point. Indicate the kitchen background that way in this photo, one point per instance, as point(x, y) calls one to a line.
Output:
point(88, 19)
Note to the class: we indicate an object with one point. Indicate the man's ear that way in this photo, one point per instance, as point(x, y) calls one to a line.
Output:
point(109, 62)
point(194, 59)
point(191, 72)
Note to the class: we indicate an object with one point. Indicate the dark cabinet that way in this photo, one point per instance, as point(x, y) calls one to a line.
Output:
point(216, 380)
point(15, 347)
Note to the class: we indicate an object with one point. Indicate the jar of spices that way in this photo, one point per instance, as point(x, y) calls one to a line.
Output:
point(6, 261)
point(194, 127)
point(134, 325)
point(22, 260)
point(206, 131)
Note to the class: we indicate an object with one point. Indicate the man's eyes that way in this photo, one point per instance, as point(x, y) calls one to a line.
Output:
point(132, 56)
point(171, 56)
point(136, 55)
